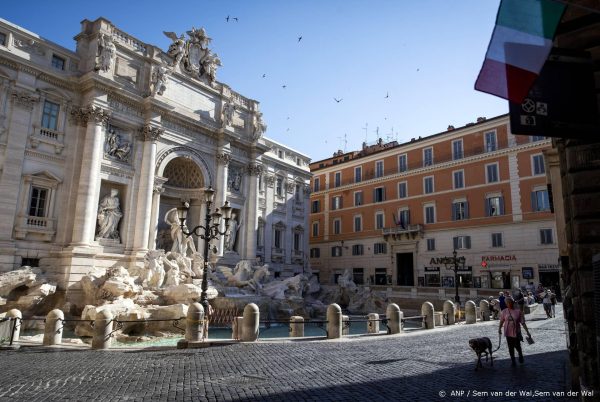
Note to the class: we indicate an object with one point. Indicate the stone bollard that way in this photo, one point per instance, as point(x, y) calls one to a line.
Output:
point(194, 323)
point(470, 312)
point(428, 311)
point(373, 323)
point(102, 330)
point(484, 310)
point(54, 328)
point(15, 324)
point(449, 311)
point(394, 317)
point(250, 323)
point(345, 325)
point(334, 321)
point(296, 326)
point(236, 328)
point(495, 308)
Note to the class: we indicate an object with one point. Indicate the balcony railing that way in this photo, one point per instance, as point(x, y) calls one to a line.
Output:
point(398, 232)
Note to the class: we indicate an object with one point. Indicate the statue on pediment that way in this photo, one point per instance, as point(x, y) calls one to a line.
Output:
point(193, 55)
point(107, 53)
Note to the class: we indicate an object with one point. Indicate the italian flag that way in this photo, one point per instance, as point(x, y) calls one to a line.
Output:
point(520, 44)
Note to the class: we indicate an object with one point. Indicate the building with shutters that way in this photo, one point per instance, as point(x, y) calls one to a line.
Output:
point(391, 211)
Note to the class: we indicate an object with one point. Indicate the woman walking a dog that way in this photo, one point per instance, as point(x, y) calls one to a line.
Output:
point(512, 319)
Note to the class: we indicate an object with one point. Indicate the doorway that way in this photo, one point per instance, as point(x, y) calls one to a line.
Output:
point(404, 269)
point(551, 280)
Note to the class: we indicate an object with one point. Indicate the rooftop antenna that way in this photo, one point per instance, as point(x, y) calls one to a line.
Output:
point(366, 128)
point(377, 132)
point(343, 139)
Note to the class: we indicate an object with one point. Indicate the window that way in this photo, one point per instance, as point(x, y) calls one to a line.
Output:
point(260, 234)
point(490, 141)
point(402, 190)
point(492, 172)
point(402, 163)
point(430, 214)
point(494, 206)
point(430, 244)
point(297, 241)
point(546, 236)
point(379, 220)
point(315, 229)
point(58, 62)
point(380, 248)
point(462, 242)
point(337, 226)
point(497, 240)
point(337, 179)
point(37, 201)
point(358, 174)
point(358, 198)
point(279, 187)
point(315, 253)
point(535, 138)
point(379, 169)
point(2, 39)
point(357, 249)
point(358, 276)
point(316, 184)
point(403, 218)
point(297, 193)
point(458, 179)
point(379, 194)
point(298, 161)
point(50, 115)
point(457, 149)
point(30, 262)
point(428, 157)
point(278, 238)
point(357, 223)
point(336, 202)
point(538, 164)
point(540, 200)
point(315, 206)
point(336, 251)
point(460, 210)
point(428, 185)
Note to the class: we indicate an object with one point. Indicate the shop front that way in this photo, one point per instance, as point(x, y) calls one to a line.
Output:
point(432, 276)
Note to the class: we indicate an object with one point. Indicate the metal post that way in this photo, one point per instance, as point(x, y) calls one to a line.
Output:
point(207, 238)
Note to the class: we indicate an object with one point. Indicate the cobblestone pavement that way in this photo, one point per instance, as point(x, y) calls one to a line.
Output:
point(422, 365)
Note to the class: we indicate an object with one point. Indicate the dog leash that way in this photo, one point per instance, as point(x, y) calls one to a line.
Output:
point(499, 341)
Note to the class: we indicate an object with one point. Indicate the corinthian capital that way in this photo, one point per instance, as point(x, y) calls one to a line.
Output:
point(150, 133)
point(89, 113)
point(254, 169)
point(25, 99)
point(224, 158)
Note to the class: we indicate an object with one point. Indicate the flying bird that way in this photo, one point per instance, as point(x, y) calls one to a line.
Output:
point(299, 38)
point(387, 95)
point(236, 19)
point(227, 19)
point(264, 75)
point(284, 86)
point(338, 100)
point(288, 118)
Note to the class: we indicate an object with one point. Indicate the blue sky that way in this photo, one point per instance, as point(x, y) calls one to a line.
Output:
point(423, 55)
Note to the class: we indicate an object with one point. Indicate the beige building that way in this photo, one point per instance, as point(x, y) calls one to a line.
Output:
point(391, 212)
point(98, 146)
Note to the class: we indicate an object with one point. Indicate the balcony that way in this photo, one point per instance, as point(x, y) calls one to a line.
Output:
point(36, 225)
point(397, 233)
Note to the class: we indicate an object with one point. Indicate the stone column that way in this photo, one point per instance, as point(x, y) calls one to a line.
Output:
point(88, 189)
point(253, 169)
point(148, 134)
point(157, 190)
point(223, 159)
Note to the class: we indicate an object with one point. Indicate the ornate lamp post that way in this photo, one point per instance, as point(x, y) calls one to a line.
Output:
point(455, 264)
point(209, 231)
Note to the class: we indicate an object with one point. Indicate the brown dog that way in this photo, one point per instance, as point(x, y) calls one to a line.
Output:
point(481, 346)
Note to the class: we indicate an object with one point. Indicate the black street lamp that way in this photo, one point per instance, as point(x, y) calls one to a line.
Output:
point(455, 264)
point(209, 232)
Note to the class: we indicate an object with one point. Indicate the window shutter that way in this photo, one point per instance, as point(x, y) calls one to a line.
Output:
point(407, 216)
point(468, 241)
point(501, 205)
point(487, 207)
point(466, 210)
point(455, 241)
point(374, 195)
point(454, 211)
point(341, 202)
point(533, 202)
point(383, 194)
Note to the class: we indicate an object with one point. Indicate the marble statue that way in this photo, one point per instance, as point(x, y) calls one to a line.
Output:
point(242, 273)
point(173, 276)
point(159, 79)
point(227, 112)
point(177, 48)
point(192, 55)
point(258, 127)
point(232, 233)
point(106, 53)
point(154, 271)
point(109, 216)
point(182, 244)
point(115, 147)
point(234, 178)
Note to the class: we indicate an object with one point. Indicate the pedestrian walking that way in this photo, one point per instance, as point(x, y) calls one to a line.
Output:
point(511, 320)
point(519, 299)
point(547, 301)
point(502, 301)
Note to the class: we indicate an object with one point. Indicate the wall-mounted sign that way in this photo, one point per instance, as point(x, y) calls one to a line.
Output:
point(548, 267)
point(501, 258)
point(432, 269)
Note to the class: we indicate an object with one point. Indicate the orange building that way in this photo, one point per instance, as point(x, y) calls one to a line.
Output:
point(391, 212)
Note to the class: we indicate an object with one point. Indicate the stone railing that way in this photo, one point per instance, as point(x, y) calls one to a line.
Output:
point(130, 41)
